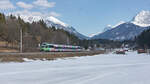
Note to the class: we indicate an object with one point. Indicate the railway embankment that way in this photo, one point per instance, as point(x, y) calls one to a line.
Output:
point(20, 57)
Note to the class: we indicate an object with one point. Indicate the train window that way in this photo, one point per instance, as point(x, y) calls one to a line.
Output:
point(59, 47)
point(46, 46)
point(42, 46)
point(50, 46)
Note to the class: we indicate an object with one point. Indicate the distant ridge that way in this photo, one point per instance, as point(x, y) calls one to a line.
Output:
point(126, 30)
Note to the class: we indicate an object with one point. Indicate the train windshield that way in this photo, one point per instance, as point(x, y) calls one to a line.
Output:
point(43, 46)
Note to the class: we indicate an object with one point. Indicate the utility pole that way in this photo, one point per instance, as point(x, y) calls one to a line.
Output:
point(20, 34)
point(20, 40)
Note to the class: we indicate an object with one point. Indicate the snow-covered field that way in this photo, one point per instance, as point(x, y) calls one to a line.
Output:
point(100, 69)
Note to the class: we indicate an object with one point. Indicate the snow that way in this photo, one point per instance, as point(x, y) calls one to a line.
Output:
point(27, 60)
point(56, 21)
point(120, 38)
point(91, 35)
point(30, 19)
point(108, 27)
point(121, 22)
point(142, 19)
point(131, 68)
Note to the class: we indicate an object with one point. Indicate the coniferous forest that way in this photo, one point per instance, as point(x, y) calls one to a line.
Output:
point(143, 40)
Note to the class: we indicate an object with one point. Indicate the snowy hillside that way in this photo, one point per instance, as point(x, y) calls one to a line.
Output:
point(126, 30)
point(131, 68)
point(52, 21)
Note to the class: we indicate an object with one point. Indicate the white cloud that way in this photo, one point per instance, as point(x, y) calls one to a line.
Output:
point(54, 14)
point(34, 13)
point(24, 5)
point(6, 4)
point(27, 13)
point(44, 3)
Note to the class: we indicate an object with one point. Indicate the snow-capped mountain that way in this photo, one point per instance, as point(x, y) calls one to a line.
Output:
point(109, 27)
point(127, 30)
point(142, 19)
point(52, 21)
point(56, 21)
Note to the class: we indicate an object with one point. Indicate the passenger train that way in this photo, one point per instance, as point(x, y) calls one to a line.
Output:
point(46, 47)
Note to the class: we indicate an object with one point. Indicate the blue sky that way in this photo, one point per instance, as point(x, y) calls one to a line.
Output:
point(87, 16)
